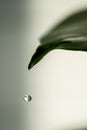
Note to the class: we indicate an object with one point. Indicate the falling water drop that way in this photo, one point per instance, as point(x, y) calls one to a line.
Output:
point(27, 98)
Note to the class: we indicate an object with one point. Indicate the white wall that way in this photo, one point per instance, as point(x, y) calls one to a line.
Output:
point(57, 83)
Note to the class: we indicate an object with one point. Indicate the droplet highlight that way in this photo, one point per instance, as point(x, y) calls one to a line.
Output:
point(27, 98)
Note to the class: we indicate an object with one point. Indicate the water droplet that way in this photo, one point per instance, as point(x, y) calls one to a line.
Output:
point(27, 98)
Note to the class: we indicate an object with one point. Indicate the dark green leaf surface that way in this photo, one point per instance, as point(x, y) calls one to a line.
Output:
point(70, 34)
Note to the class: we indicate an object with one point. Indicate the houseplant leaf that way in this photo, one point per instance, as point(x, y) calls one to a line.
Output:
point(70, 34)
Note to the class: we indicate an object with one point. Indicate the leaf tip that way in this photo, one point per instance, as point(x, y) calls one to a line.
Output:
point(36, 57)
point(30, 66)
point(41, 51)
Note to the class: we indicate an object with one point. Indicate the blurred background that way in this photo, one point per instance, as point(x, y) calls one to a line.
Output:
point(57, 84)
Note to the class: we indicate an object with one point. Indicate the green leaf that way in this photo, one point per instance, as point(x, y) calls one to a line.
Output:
point(70, 34)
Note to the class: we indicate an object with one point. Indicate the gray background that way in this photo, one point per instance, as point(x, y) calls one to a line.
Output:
point(58, 98)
